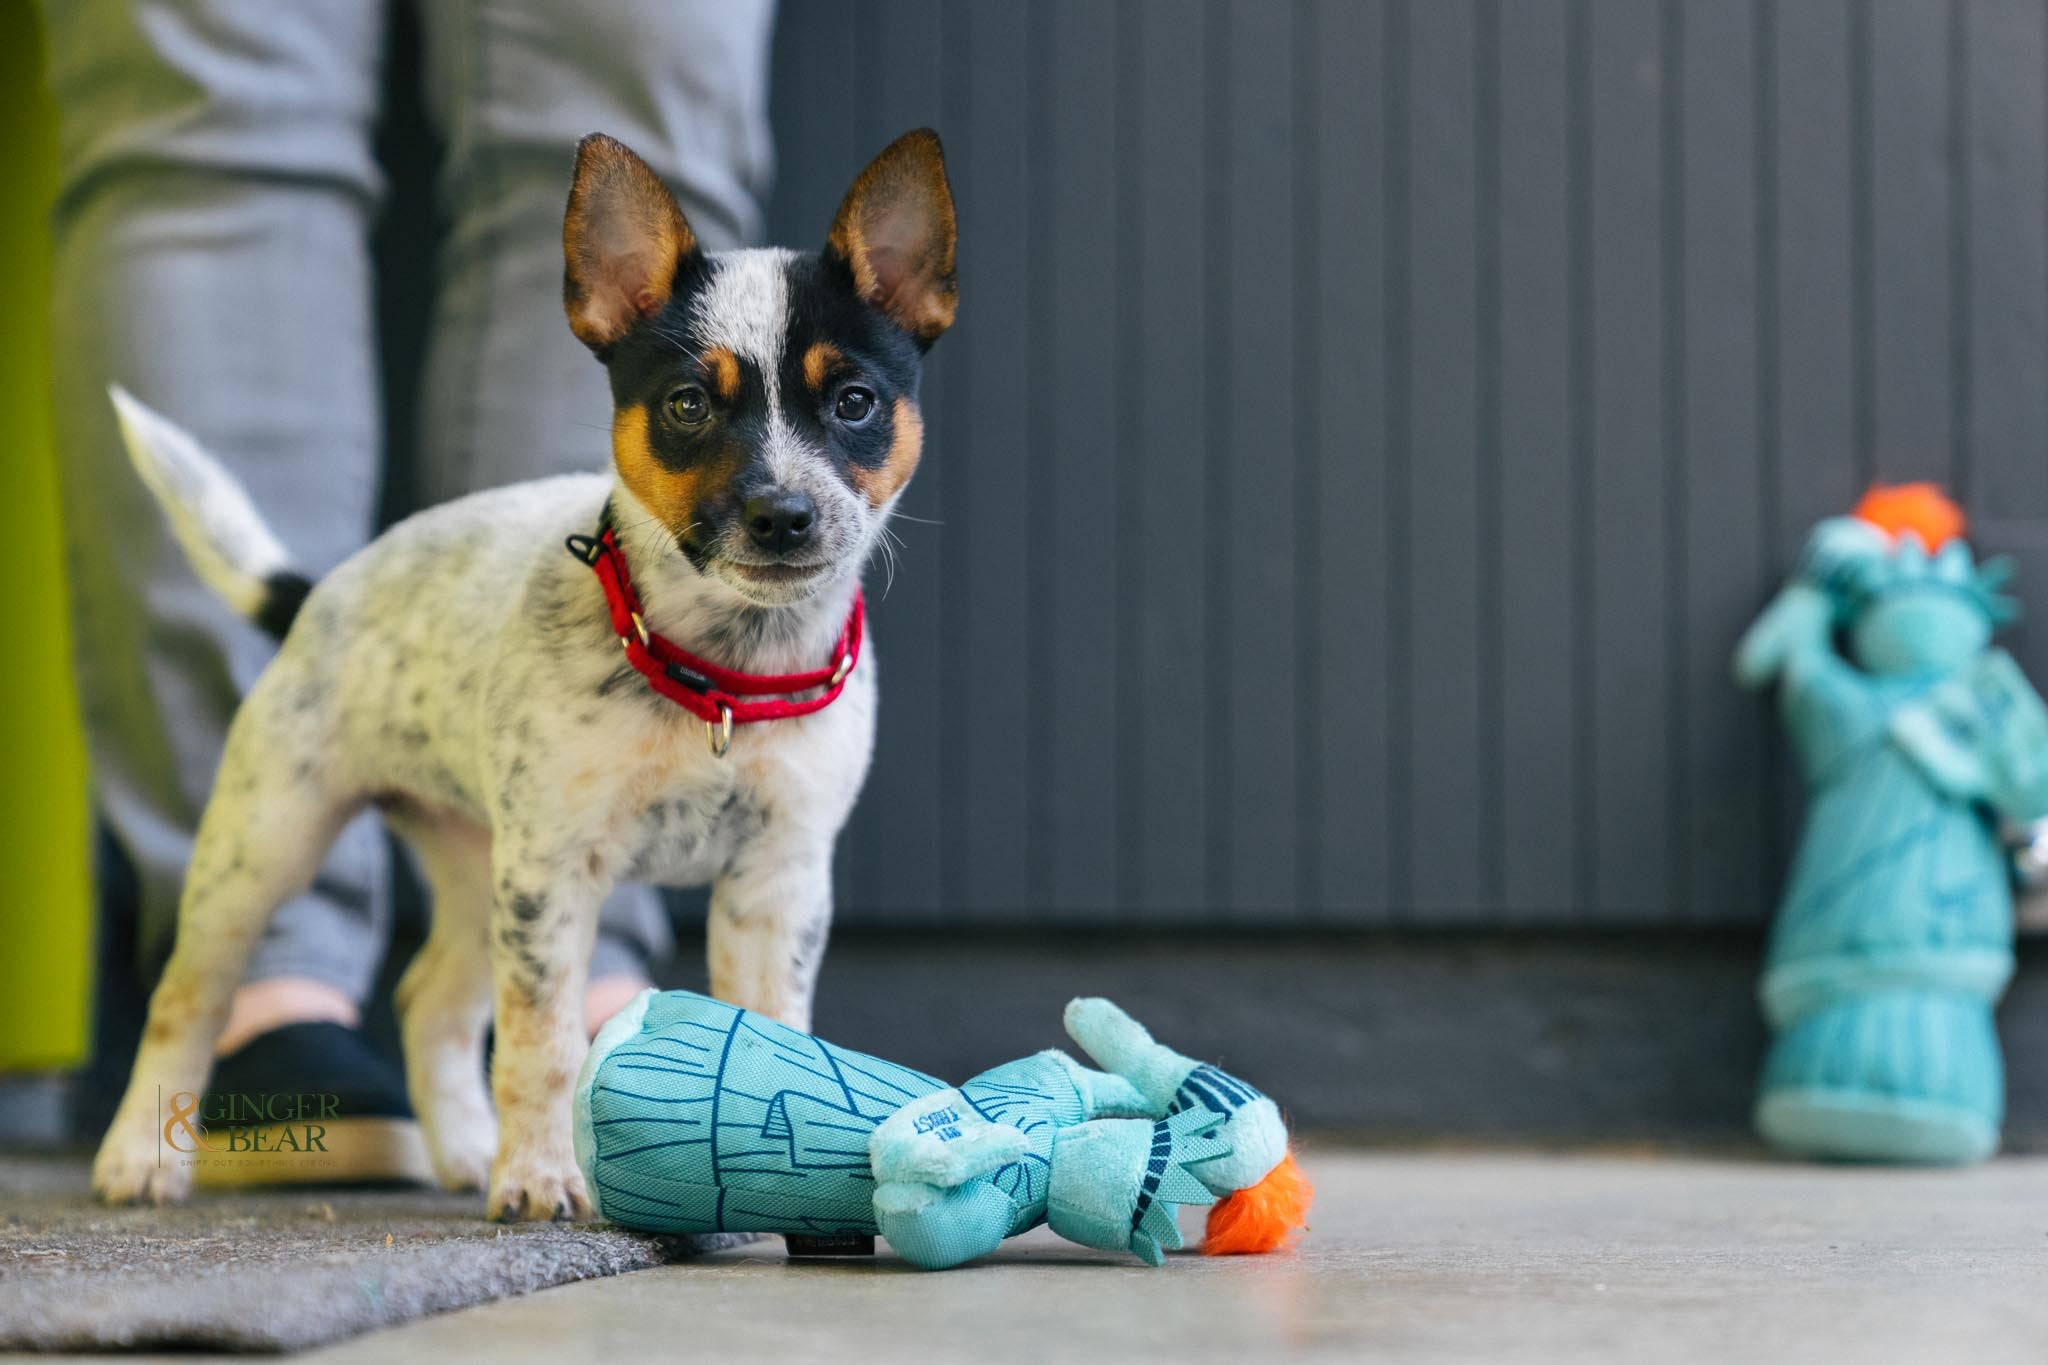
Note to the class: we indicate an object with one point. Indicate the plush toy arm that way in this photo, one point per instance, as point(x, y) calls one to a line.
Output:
point(1796, 625)
point(939, 1140)
point(1255, 1135)
point(1840, 564)
point(1120, 1044)
point(1104, 1094)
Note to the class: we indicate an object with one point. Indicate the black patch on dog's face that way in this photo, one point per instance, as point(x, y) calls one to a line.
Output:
point(695, 418)
point(871, 353)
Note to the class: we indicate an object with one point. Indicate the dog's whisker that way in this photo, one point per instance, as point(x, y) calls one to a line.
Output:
point(888, 563)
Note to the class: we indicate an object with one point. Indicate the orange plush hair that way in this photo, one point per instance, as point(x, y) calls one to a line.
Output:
point(1921, 508)
point(1262, 1217)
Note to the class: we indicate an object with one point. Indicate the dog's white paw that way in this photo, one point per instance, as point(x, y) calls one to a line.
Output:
point(462, 1149)
point(128, 1171)
point(536, 1186)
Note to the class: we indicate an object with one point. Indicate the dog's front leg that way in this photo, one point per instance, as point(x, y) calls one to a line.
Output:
point(770, 912)
point(543, 920)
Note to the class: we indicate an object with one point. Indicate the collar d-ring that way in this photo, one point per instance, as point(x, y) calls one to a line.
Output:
point(719, 731)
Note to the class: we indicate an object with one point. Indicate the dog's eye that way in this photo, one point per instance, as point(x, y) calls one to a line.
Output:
point(855, 404)
point(688, 405)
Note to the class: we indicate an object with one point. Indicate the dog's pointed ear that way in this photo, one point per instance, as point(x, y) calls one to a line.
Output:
point(895, 232)
point(623, 240)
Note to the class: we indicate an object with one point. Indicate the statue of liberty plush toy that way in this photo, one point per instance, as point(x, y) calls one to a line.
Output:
point(693, 1116)
point(1895, 936)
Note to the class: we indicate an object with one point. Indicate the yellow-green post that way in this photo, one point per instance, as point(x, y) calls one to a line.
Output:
point(46, 920)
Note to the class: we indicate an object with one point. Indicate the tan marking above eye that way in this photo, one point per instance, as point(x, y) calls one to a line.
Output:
point(670, 494)
point(819, 361)
point(723, 368)
point(906, 445)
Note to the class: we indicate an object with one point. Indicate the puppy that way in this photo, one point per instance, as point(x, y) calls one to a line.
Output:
point(465, 673)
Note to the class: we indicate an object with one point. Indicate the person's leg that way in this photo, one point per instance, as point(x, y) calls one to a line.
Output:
point(510, 393)
point(211, 256)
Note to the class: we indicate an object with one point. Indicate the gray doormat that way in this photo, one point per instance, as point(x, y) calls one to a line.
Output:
point(269, 1271)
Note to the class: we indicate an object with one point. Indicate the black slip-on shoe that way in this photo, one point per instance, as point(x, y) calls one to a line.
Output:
point(307, 1104)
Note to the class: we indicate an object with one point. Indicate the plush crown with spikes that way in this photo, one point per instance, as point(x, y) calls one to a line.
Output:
point(1903, 536)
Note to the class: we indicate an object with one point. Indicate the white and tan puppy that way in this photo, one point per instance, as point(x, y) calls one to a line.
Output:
point(462, 674)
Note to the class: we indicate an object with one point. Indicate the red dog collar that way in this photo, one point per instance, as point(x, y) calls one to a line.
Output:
point(717, 696)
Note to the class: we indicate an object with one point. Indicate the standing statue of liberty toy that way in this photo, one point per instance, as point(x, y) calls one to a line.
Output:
point(1917, 740)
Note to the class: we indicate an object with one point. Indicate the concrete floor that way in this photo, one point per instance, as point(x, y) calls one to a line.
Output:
point(1413, 1257)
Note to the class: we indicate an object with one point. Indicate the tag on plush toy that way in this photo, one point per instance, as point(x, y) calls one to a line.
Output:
point(939, 1139)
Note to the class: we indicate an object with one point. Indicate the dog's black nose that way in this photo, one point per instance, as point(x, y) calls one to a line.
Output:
point(780, 521)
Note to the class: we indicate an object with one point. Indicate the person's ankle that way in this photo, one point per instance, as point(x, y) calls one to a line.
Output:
point(607, 995)
point(260, 1006)
point(273, 1002)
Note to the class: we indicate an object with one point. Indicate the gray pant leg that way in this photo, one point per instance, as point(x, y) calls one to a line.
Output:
point(510, 394)
point(211, 255)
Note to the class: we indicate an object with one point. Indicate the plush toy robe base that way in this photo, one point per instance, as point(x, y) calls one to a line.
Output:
point(1908, 1076)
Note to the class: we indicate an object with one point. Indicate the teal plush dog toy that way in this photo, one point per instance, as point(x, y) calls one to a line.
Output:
point(693, 1116)
point(1895, 936)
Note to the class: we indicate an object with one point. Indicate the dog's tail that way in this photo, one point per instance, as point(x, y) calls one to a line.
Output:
point(227, 542)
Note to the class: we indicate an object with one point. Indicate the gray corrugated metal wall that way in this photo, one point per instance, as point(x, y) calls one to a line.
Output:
point(1369, 425)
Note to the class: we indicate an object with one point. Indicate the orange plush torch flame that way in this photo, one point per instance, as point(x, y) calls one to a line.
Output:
point(1921, 508)
point(1262, 1217)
